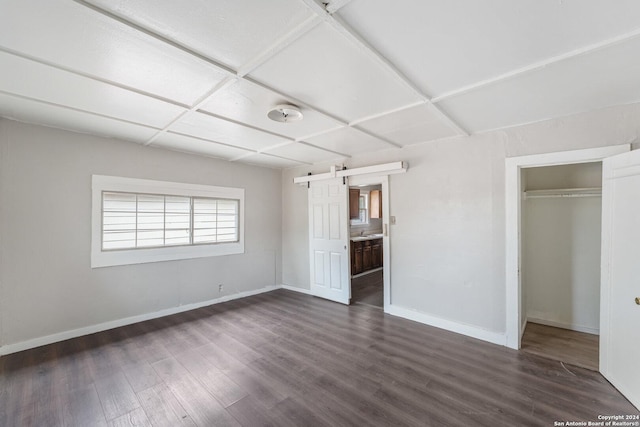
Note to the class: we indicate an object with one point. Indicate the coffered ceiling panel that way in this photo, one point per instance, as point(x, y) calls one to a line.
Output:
point(410, 126)
point(444, 45)
point(600, 79)
point(30, 111)
point(325, 69)
point(197, 146)
point(348, 141)
point(229, 31)
point(303, 152)
point(68, 34)
point(34, 80)
point(246, 102)
point(218, 130)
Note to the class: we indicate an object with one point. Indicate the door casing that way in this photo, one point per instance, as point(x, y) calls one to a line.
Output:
point(513, 215)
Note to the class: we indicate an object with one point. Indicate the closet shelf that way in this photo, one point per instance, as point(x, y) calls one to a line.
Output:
point(563, 192)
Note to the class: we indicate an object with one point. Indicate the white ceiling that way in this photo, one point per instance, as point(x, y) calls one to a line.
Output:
point(368, 75)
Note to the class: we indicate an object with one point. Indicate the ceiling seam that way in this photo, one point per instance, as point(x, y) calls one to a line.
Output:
point(204, 98)
point(343, 28)
point(585, 50)
point(200, 138)
point(91, 77)
point(158, 37)
point(79, 110)
point(275, 48)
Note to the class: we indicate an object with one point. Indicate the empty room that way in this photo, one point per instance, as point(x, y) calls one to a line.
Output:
point(319, 213)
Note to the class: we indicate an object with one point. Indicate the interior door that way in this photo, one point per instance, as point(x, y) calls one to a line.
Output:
point(620, 283)
point(329, 239)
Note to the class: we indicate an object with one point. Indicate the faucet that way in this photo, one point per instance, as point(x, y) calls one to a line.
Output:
point(361, 233)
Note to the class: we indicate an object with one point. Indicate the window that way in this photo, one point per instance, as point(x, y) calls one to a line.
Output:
point(132, 220)
point(363, 207)
point(136, 221)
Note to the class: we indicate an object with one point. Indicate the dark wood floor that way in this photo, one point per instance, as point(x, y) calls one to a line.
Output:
point(286, 359)
point(368, 289)
point(575, 348)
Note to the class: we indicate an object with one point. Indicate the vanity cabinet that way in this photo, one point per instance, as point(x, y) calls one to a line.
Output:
point(366, 255)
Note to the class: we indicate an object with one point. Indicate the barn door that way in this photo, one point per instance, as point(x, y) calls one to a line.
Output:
point(329, 239)
point(620, 299)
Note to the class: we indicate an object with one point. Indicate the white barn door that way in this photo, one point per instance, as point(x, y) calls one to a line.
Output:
point(620, 283)
point(329, 240)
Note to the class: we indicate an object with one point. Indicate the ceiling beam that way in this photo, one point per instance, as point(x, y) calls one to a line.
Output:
point(335, 5)
point(79, 110)
point(268, 53)
point(539, 65)
point(199, 102)
point(282, 42)
point(345, 29)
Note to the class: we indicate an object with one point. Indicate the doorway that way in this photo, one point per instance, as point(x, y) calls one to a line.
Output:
point(515, 313)
point(365, 235)
point(560, 273)
point(369, 241)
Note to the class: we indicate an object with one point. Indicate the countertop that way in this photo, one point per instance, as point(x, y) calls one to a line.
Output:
point(369, 237)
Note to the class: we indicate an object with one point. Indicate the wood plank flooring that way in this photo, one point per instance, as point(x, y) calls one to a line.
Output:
point(287, 359)
point(368, 289)
point(575, 348)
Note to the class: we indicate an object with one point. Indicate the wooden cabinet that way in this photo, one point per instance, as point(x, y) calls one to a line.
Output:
point(356, 258)
point(376, 253)
point(366, 255)
point(367, 262)
point(375, 204)
point(354, 203)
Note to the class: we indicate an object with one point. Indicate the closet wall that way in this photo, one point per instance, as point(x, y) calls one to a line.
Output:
point(561, 246)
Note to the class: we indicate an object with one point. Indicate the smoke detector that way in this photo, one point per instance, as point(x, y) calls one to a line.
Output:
point(285, 113)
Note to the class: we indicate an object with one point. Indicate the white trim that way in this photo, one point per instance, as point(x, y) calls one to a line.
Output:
point(374, 171)
point(296, 289)
point(513, 205)
point(100, 258)
point(569, 326)
point(449, 325)
point(538, 65)
point(74, 333)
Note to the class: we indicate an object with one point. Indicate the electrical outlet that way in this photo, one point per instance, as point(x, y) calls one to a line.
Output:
point(220, 288)
point(393, 220)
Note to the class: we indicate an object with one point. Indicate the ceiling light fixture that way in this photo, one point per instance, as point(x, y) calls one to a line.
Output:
point(285, 113)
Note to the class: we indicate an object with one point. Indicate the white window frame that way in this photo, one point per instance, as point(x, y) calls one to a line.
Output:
point(106, 258)
point(367, 219)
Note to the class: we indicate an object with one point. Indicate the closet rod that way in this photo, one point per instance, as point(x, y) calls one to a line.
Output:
point(563, 192)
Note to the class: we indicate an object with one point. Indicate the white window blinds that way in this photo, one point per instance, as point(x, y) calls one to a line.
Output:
point(132, 220)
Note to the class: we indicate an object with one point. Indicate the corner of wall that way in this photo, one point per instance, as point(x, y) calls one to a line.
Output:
point(3, 156)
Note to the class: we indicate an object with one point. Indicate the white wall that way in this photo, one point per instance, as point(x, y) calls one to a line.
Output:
point(448, 246)
point(561, 248)
point(46, 283)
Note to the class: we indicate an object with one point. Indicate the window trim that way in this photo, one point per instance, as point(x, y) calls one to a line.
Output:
point(106, 258)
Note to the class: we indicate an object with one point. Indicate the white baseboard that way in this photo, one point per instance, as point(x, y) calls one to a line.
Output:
point(74, 333)
point(449, 325)
point(523, 327)
point(571, 327)
point(296, 289)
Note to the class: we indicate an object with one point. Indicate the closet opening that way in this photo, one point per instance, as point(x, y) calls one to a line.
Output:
point(560, 266)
